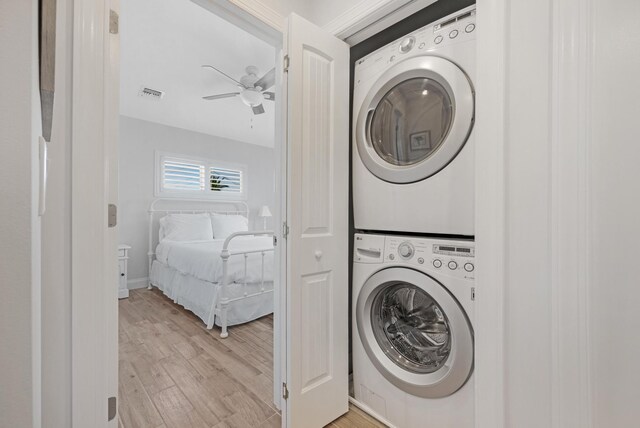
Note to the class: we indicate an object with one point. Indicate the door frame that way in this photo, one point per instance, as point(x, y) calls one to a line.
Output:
point(90, 109)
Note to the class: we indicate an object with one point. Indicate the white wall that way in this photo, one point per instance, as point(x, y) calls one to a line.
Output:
point(614, 180)
point(20, 226)
point(139, 140)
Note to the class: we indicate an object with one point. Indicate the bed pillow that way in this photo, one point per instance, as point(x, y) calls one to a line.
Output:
point(225, 225)
point(186, 227)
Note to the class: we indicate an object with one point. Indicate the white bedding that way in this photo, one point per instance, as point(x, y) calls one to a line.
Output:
point(201, 259)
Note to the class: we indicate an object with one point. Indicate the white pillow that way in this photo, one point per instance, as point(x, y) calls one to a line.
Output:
point(186, 227)
point(225, 225)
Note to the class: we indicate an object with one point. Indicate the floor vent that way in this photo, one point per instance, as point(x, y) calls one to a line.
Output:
point(151, 93)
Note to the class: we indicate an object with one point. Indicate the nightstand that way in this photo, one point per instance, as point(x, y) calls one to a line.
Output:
point(123, 258)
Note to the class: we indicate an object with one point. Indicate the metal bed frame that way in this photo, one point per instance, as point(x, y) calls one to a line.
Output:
point(221, 303)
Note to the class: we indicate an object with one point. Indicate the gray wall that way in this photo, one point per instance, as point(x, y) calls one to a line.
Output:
point(139, 141)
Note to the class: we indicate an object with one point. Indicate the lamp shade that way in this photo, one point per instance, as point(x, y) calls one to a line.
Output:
point(264, 211)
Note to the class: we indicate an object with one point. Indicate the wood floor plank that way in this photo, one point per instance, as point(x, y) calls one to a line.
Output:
point(136, 408)
point(176, 410)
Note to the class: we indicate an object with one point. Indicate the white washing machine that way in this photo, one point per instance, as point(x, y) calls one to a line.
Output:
point(413, 346)
point(414, 109)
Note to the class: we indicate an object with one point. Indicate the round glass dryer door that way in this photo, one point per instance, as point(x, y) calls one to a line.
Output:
point(415, 332)
point(415, 119)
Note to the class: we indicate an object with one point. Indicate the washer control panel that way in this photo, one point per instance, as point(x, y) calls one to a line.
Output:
point(455, 257)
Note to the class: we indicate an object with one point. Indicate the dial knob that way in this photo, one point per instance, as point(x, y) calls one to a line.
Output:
point(453, 265)
point(405, 250)
point(407, 44)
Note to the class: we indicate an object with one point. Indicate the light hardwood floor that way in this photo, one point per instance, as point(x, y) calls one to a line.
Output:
point(175, 373)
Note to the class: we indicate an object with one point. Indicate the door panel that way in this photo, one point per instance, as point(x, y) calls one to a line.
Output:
point(317, 299)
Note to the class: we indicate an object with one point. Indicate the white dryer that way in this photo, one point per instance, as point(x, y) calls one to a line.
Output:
point(413, 346)
point(414, 110)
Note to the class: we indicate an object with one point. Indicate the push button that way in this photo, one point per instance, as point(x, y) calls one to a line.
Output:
point(438, 40)
point(420, 260)
point(453, 34)
point(469, 267)
point(469, 28)
point(453, 265)
point(437, 263)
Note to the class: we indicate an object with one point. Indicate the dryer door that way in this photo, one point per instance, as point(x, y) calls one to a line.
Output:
point(415, 119)
point(415, 332)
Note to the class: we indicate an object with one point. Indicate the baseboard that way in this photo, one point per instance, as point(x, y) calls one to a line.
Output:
point(370, 412)
point(123, 294)
point(136, 283)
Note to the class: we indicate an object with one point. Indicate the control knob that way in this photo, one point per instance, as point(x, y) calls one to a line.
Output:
point(407, 44)
point(405, 250)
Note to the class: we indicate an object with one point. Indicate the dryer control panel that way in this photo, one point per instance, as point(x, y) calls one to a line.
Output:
point(443, 34)
point(455, 257)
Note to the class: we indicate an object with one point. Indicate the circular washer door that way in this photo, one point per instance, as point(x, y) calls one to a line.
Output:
point(415, 332)
point(415, 119)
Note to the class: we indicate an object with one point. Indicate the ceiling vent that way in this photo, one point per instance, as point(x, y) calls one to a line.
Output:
point(152, 94)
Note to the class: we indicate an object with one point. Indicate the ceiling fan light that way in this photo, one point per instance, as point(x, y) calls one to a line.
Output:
point(251, 97)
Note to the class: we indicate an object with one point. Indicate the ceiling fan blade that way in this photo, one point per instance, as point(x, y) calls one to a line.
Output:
point(220, 96)
point(258, 109)
point(224, 74)
point(269, 96)
point(268, 80)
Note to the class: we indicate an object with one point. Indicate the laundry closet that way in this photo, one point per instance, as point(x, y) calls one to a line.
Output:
point(413, 201)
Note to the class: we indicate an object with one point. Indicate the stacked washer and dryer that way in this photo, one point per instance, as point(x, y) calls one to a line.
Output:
point(413, 195)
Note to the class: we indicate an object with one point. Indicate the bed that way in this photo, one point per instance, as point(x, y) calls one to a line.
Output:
point(204, 258)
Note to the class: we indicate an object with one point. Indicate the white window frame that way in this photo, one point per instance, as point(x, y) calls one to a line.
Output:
point(205, 194)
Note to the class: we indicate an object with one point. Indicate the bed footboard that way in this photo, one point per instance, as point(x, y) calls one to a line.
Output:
point(221, 304)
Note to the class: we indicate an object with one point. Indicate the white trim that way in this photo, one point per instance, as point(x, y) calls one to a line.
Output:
point(570, 145)
point(492, 73)
point(89, 352)
point(136, 283)
point(367, 18)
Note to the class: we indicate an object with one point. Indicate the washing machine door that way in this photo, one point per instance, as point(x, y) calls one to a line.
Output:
point(415, 332)
point(415, 119)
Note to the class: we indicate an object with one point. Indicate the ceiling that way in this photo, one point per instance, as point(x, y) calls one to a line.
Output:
point(164, 43)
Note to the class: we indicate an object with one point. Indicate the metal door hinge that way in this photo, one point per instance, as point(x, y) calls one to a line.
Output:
point(285, 63)
point(285, 230)
point(113, 215)
point(473, 293)
point(111, 408)
point(113, 22)
point(285, 391)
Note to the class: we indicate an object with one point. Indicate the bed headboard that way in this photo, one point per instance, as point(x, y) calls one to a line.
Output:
point(163, 206)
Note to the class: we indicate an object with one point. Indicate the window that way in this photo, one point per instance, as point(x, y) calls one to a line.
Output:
point(185, 176)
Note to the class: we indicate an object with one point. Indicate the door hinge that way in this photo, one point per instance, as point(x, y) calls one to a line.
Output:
point(111, 408)
point(114, 21)
point(285, 63)
point(285, 390)
point(275, 241)
point(112, 220)
point(285, 230)
point(473, 293)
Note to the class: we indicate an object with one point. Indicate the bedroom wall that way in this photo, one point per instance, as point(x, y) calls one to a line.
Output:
point(139, 140)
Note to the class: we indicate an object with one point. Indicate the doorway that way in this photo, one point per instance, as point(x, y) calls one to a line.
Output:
point(199, 196)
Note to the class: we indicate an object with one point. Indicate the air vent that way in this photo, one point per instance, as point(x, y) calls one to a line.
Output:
point(153, 94)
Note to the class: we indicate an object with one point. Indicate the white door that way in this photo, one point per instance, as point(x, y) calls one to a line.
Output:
point(317, 295)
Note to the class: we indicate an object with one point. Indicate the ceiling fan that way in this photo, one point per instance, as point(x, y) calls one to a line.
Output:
point(253, 90)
